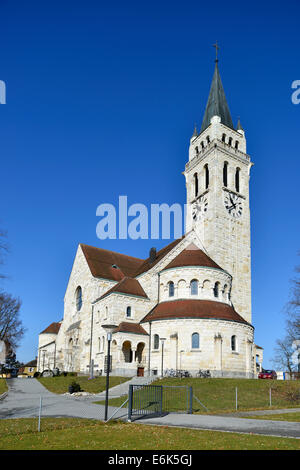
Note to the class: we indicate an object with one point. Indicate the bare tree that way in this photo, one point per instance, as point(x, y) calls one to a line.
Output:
point(283, 358)
point(287, 350)
point(11, 328)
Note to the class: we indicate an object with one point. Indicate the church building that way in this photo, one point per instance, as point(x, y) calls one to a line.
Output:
point(188, 305)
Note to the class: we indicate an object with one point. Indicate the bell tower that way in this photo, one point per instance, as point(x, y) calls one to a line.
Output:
point(217, 181)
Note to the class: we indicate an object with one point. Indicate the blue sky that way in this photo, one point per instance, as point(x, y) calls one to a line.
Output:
point(101, 101)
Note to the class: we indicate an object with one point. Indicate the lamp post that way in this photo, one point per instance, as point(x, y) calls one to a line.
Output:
point(44, 354)
point(109, 328)
point(162, 356)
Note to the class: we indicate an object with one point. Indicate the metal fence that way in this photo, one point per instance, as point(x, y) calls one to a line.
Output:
point(154, 400)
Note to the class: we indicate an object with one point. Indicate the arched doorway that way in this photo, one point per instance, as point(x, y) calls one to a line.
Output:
point(127, 351)
point(140, 359)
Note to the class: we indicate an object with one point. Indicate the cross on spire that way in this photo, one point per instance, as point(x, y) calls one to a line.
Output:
point(217, 48)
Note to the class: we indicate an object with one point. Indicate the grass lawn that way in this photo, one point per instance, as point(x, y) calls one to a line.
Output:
point(60, 384)
point(218, 395)
point(293, 417)
point(3, 386)
point(83, 434)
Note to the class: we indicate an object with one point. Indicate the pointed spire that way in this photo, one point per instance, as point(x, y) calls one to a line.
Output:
point(195, 134)
point(239, 126)
point(216, 103)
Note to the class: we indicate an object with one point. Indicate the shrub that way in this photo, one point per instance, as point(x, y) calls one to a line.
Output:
point(75, 386)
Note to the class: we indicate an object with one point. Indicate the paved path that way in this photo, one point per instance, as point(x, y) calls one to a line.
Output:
point(23, 401)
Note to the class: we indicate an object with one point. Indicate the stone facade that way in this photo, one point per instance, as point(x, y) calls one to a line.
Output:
point(188, 306)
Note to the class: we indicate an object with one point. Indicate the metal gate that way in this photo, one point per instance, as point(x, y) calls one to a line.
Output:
point(154, 400)
point(144, 400)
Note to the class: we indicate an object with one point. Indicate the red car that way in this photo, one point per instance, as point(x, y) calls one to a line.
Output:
point(267, 374)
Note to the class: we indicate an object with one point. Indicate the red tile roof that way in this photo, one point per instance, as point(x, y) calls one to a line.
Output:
point(192, 256)
point(146, 265)
point(115, 266)
point(53, 329)
point(126, 327)
point(101, 263)
point(127, 285)
point(192, 308)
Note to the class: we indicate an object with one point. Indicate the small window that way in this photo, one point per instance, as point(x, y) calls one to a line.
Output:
point(206, 170)
point(128, 312)
point(233, 343)
point(202, 144)
point(230, 141)
point(194, 287)
point(171, 289)
point(216, 289)
point(196, 184)
point(197, 150)
point(225, 174)
point(223, 137)
point(237, 180)
point(195, 341)
point(236, 144)
point(208, 139)
point(78, 298)
point(155, 342)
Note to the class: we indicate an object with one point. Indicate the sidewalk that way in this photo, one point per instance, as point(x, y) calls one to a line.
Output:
point(23, 401)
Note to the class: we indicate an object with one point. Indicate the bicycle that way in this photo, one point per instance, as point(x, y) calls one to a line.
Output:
point(203, 374)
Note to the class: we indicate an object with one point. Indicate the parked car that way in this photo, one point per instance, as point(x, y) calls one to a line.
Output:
point(47, 373)
point(267, 374)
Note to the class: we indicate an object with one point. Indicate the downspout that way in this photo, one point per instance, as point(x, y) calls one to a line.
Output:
point(91, 340)
point(149, 349)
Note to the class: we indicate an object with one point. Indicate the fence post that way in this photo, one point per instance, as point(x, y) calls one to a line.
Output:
point(236, 398)
point(270, 393)
point(161, 401)
point(40, 412)
point(130, 395)
point(191, 400)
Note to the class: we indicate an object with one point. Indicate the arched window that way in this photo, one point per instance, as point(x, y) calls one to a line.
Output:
point(155, 342)
point(196, 184)
point(230, 141)
point(194, 287)
point(237, 180)
point(225, 292)
point(171, 289)
point(216, 289)
point(206, 170)
point(208, 139)
point(225, 174)
point(78, 298)
point(202, 144)
point(233, 343)
point(128, 312)
point(197, 150)
point(195, 341)
point(236, 144)
point(223, 137)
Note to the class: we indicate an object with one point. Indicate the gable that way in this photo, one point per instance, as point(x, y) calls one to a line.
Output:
point(110, 264)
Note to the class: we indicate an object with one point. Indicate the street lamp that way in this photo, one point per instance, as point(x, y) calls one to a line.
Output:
point(162, 356)
point(109, 328)
point(44, 354)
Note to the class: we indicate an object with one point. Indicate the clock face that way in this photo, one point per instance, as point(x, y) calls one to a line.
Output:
point(233, 205)
point(199, 208)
